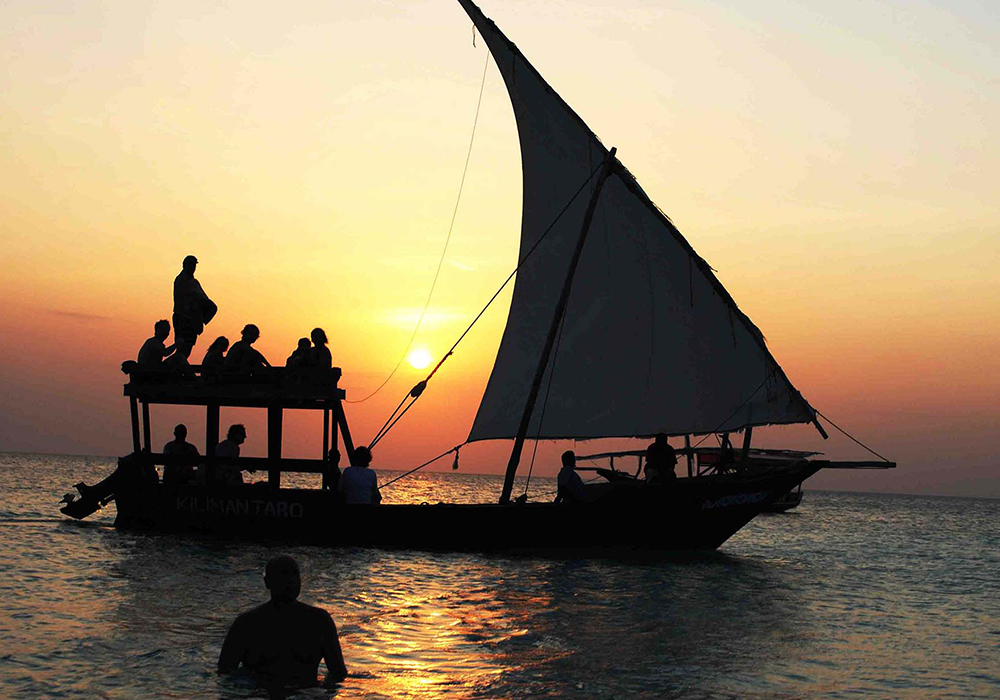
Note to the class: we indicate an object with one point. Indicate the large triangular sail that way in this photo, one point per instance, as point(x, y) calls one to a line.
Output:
point(651, 341)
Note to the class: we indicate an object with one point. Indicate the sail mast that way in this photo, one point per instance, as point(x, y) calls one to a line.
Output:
point(543, 361)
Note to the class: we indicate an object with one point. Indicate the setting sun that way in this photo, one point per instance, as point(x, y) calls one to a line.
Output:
point(419, 358)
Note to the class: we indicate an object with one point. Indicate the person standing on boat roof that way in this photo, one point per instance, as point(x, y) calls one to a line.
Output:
point(570, 485)
point(660, 461)
point(230, 449)
point(179, 447)
point(192, 307)
point(152, 352)
point(242, 356)
point(179, 360)
point(358, 483)
point(281, 642)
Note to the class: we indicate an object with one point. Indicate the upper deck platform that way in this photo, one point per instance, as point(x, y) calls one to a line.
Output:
point(268, 387)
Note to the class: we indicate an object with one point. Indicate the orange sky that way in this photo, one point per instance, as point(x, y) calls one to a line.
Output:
point(836, 166)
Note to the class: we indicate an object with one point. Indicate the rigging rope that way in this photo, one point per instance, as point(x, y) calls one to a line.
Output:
point(430, 461)
point(853, 438)
point(418, 389)
point(447, 240)
point(545, 401)
point(739, 408)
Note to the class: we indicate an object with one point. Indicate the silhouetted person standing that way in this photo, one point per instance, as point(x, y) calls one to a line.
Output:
point(153, 351)
point(320, 353)
point(192, 307)
point(242, 356)
point(179, 447)
point(358, 483)
point(182, 351)
point(660, 461)
point(216, 355)
point(281, 642)
point(569, 483)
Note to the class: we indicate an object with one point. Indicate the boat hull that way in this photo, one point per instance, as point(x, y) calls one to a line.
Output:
point(688, 514)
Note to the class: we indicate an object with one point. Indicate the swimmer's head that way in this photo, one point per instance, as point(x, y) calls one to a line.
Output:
point(282, 578)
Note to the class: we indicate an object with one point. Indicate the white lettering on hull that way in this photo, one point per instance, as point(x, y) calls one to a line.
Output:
point(206, 505)
point(737, 499)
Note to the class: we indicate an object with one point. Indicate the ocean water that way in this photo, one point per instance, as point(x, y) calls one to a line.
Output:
point(850, 596)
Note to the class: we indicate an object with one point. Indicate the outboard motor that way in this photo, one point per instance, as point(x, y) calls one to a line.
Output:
point(132, 469)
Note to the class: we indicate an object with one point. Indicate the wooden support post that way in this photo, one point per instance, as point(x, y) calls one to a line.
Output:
point(133, 406)
point(146, 440)
point(327, 482)
point(211, 439)
point(274, 446)
point(543, 361)
point(745, 454)
point(344, 431)
point(212, 430)
point(690, 457)
point(325, 456)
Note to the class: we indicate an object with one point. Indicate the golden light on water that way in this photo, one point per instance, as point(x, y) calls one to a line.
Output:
point(419, 358)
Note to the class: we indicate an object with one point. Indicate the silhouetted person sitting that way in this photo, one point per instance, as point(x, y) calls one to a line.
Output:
point(192, 307)
point(301, 355)
point(570, 485)
point(281, 642)
point(727, 457)
point(331, 476)
point(320, 357)
point(177, 474)
point(358, 483)
point(660, 461)
point(153, 351)
point(242, 357)
point(229, 474)
point(215, 357)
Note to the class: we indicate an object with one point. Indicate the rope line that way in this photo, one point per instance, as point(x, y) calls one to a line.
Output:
point(545, 401)
point(418, 389)
point(447, 240)
point(738, 408)
point(853, 438)
point(430, 461)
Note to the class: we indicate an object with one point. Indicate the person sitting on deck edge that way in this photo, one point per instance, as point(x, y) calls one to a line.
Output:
point(216, 355)
point(320, 356)
point(660, 461)
point(358, 483)
point(281, 642)
point(300, 355)
point(242, 356)
point(152, 352)
point(570, 484)
point(177, 474)
point(192, 307)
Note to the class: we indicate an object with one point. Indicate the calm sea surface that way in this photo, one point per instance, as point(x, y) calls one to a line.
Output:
point(850, 596)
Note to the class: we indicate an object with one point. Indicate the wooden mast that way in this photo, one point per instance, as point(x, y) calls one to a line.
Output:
point(543, 361)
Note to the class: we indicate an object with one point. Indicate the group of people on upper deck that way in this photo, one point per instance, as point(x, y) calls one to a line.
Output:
point(192, 311)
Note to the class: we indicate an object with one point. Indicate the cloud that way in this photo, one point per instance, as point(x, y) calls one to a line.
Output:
point(462, 266)
point(78, 315)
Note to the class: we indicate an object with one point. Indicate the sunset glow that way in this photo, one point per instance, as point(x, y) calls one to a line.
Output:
point(836, 168)
point(419, 358)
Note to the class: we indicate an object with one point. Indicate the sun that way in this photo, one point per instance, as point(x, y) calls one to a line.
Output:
point(419, 358)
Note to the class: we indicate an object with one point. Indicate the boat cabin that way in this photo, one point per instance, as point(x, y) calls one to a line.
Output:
point(273, 389)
